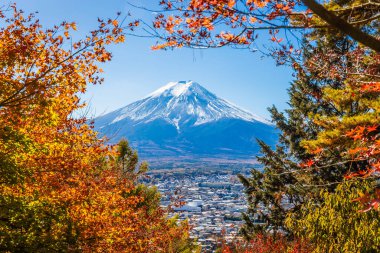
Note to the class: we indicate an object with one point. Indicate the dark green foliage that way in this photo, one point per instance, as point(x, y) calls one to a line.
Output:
point(31, 225)
point(285, 183)
point(336, 224)
point(150, 194)
point(10, 170)
point(128, 159)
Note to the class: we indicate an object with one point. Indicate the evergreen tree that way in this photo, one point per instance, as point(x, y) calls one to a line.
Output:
point(287, 180)
point(337, 225)
point(128, 160)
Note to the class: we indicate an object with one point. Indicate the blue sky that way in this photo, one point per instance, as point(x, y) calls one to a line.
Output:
point(242, 77)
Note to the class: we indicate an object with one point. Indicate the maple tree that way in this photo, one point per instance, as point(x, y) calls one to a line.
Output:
point(210, 23)
point(265, 243)
point(62, 188)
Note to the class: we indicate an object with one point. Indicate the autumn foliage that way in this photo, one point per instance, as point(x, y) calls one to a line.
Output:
point(266, 243)
point(210, 23)
point(354, 135)
point(62, 188)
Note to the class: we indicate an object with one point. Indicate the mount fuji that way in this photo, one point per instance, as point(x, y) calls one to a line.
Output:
point(184, 122)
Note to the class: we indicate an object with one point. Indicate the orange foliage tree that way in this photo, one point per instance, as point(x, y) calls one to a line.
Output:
point(210, 23)
point(267, 244)
point(61, 187)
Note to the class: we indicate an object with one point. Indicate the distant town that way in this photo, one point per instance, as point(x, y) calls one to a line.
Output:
point(212, 201)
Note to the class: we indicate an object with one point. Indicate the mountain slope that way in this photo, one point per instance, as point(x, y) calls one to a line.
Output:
point(184, 119)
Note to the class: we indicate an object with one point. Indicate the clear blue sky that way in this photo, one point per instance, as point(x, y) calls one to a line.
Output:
point(239, 76)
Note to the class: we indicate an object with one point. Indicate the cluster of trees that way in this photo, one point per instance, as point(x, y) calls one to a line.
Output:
point(62, 189)
point(320, 185)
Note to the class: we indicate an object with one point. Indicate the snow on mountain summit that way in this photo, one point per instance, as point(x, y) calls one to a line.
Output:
point(174, 88)
point(182, 103)
point(184, 122)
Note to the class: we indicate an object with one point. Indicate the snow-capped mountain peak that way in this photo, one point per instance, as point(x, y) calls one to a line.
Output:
point(183, 103)
point(174, 88)
point(184, 121)
point(180, 88)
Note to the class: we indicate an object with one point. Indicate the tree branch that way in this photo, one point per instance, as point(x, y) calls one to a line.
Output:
point(343, 26)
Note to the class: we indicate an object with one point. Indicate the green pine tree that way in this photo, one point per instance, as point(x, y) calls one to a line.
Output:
point(285, 185)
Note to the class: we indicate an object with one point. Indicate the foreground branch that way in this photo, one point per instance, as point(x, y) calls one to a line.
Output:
point(343, 26)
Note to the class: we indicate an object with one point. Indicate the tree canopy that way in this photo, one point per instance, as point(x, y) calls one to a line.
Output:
point(62, 187)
